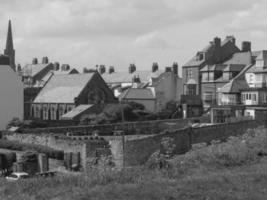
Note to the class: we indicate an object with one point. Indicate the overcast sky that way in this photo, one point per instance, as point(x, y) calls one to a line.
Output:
point(84, 33)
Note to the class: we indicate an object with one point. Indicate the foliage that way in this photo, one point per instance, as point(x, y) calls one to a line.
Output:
point(14, 122)
point(13, 145)
point(112, 113)
point(230, 170)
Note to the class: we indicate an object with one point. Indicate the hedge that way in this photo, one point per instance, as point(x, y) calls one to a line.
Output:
point(17, 146)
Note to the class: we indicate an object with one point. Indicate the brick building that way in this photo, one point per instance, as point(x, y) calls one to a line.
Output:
point(216, 52)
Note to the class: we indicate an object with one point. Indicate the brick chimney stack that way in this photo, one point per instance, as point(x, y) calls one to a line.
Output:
point(34, 61)
point(111, 70)
point(102, 69)
point(155, 67)
point(132, 68)
point(246, 46)
point(45, 60)
point(175, 68)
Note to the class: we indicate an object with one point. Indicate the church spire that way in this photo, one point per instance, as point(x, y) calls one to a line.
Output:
point(9, 51)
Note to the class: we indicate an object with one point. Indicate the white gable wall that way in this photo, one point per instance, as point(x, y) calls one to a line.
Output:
point(11, 96)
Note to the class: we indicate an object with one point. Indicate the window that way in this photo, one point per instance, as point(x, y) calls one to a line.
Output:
point(254, 97)
point(207, 97)
point(189, 73)
point(211, 76)
point(192, 89)
point(251, 78)
point(264, 98)
point(259, 63)
point(205, 76)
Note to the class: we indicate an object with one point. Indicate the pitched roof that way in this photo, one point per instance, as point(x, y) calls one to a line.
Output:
point(76, 111)
point(213, 67)
point(241, 58)
point(63, 88)
point(33, 69)
point(126, 77)
point(137, 93)
point(234, 67)
point(236, 84)
point(208, 51)
point(70, 71)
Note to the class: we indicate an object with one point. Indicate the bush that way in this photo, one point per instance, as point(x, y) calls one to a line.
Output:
point(14, 122)
point(17, 146)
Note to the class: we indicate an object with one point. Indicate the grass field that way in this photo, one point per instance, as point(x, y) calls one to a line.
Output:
point(232, 170)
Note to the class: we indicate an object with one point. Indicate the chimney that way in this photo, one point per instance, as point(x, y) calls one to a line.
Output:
point(65, 67)
point(155, 67)
point(217, 42)
point(175, 68)
point(102, 69)
point(132, 68)
point(19, 68)
point(231, 38)
point(111, 70)
point(34, 61)
point(136, 79)
point(246, 46)
point(45, 60)
point(168, 69)
point(56, 66)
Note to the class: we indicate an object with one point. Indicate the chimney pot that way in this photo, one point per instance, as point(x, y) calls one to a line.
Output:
point(102, 69)
point(168, 69)
point(246, 46)
point(34, 61)
point(45, 60)
point(132, 68)
point(111, 70)
point(155, 67)
point(175, 68)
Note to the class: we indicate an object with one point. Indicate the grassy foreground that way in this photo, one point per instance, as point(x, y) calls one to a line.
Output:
point(232, 170)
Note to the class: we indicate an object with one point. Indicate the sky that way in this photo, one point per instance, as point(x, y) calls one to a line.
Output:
point(84, 33)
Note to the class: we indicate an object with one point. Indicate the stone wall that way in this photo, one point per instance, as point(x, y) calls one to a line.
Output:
point(142, 127)
point(136, 150)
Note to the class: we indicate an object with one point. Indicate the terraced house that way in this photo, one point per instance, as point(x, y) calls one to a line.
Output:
point(214, 66)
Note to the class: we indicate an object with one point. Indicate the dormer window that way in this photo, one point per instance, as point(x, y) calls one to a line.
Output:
point(200, 56)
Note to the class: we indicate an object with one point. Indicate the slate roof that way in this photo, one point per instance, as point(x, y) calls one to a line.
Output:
point(63, 88)
point(208, 50)
point(76, 111)
point(126, 77)
point(234, 67)
point(213, 67)
point(137, 93)
point(236, 84)
point(240, 58)
point(71, 71)
point(33, 69)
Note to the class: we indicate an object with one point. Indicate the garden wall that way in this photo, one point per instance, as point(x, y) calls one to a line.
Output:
point(138, 151)
point(128, 150)
point(144, 127)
